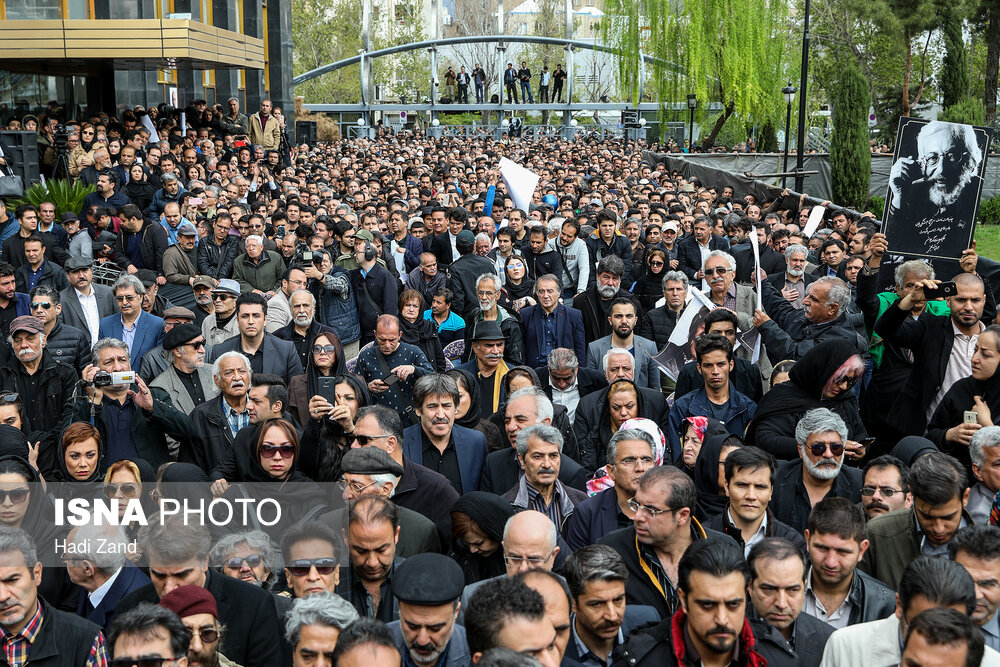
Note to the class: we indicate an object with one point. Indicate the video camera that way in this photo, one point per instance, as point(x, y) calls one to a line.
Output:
point(118, 379)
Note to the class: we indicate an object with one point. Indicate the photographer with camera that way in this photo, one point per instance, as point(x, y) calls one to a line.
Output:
point(335, 298)
point(133, 423)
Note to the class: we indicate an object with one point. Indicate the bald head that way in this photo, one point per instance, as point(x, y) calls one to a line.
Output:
point(529, 542)
point(971, 281)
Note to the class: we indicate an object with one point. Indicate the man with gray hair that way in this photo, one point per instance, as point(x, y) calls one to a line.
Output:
point(139, 330)
point(657, 324)
point(818, 473)
point(217, 421)
point(595, 302)
point(596, 576)
point(550, 324)
point(539, 450)
point(795, 281)
point(98, 565)
point(565, 382)
point(133, 423)
point(789, 333)
point(313, 625)
point(488, 288)
point(249, 556)
point(984, 450)
point(258, 270)
point(304, 327)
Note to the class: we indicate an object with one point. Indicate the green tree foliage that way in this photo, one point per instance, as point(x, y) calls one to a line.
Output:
point(324, 31)
point(767, 141)
point(986, 19)
point(955, 67)
point(850, 156)
point(732, 51)
point(67, 197)
point(968, 111)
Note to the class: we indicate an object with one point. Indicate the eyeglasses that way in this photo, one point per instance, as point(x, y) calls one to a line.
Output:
point(207, 635)
point(236, 562)
point(515, 265)
point(142, 662)
point(533, 561)
point(719, 270)
point(35, 305)
point(886, 491)
point(300, 568)
point(222, 297)
point(653, 512)
point(633, 461)
point(819, 448)
point(485, 293)
point(128, 489)
point(933, 159)
point(358, 487)
point(6, 399)
point(324, 349)
point(363, 439)
point(286, 451)
point(17, 496)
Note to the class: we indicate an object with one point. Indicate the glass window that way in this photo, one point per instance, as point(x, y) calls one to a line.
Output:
point(23, 10)
point(78, 9)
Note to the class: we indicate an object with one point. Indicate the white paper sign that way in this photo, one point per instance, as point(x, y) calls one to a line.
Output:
point(755, 243)
point(184, 125)
point(147, 123)
point(815, 217)
point(520, 182)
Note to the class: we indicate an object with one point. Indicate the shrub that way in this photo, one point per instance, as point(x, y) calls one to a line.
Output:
point(67, 197)
point(850, 154)
point(989, 211)
point(968, 112)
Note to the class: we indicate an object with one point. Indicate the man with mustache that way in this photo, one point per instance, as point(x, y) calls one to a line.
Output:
point(940, 488)
point(623, 319)
point(539, 450)
point(818, 473)
point(711, 626)
point(777, 584)
point(595, 303)
point(367, 581)
point(303, 328)
point(427, 588)
point(596, 576)
point(488, 366)
point(885, 489)
point(188, 381)
point(795, 281)
point(199, 613)
point(216, 422)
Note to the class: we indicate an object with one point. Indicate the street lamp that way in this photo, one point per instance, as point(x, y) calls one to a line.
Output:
point(789, 93)
point(692, 105)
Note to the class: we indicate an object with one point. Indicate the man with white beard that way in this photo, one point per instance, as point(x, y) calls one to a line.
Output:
point(304, 328)
point(794, 282)
point(819, 473)
point(942, 183)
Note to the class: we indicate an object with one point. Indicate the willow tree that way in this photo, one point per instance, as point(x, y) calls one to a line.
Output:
point(731, 51)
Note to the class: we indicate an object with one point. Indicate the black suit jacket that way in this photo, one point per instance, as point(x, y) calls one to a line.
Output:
point(771, 261)
point(72, 311)
point(280, 356)
point(502, 471)
point(689, 255)
point(588, 380)
point(441, 247)
point(592, 519)
point(250, 614)
point(129, 579)
point(811, 635)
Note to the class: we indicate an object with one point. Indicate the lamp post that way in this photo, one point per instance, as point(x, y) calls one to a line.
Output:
point(692, 105)
point(789, 93)
point(803, 82)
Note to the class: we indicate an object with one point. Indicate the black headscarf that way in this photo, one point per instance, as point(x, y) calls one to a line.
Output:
point(911, 448)
point(527, 285)
point(815, 368)
point(648, 289)
point(490, 513)
point(313, 374)
point(13, 442)
point(706, 475)
point(471, 418)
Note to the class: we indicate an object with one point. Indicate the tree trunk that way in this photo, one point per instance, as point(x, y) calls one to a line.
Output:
point(709, 139)
point(992, 60)
point(906, 76)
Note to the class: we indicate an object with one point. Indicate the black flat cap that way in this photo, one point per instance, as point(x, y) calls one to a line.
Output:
point(181, 334)
point(427, 579)
point(369, 461)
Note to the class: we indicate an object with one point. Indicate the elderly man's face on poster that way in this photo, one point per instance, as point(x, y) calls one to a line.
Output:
point(949, 157)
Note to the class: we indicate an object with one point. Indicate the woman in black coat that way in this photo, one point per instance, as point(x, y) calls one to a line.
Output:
point(477, 522)
point(467, 412)
point(415, 330)
point(979, 393)
point(138, 189)
point(648, 289)
point(824, 377)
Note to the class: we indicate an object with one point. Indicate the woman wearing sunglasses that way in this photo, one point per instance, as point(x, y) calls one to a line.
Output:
point(329, 427)
point(648, 289)
point(325, 359)
point(518, 287)
point(824, 377)
point(250, 556)
point(123, 482)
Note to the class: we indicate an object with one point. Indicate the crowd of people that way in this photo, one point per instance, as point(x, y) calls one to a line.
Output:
point(463, 409)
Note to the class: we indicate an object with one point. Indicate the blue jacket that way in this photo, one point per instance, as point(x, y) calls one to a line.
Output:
point(592, 519)
point(148, 334)
point(129, 579)
point(569, 333)
point(695, 404)
point(470, 445)
point(339, 311)
point(160, 200)
point(9, 229)
point(117, 200)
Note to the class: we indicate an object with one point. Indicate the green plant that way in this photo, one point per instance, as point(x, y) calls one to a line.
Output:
point(969, 111)
point(989, 211)
point(850, 155)
point(877, 206)
point(67, 197)
point(767, 141)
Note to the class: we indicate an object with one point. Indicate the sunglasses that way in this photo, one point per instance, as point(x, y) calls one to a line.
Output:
point(253, 560)
point(9, 398)
point(324, 349)
point(286, 451)
point(300, 568)
point(819, 448)
point(207, 635)
point(222, 297)
point(656, 263)
point(198, 344)
point(35, 305)
point(128, 489)
point(16, 496)
point(364, 439)
point(720, 270)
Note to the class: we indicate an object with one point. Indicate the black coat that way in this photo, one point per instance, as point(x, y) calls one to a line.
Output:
point(52, 276)
point(423, 334)
point(383, 291)
point(254, 637)
point(69, 345)
point(547, 262)
point(592, 519)
point(595, 312)
point(775, 528)
point(744, 376)
point(657, 325)
point(951, 409)
point(598, 250)
point(593, 423)
point(930, 339)
point(810, 635)
point(501, 472)
point(587, 380)
point(212, 436)
point(689, 254)
point(429, 493)
point(790, 500)
point(64, 639)
point(217, 261)
point(153, 245)
point(771, 261)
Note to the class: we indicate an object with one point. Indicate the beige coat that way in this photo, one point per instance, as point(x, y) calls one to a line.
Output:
point(268, 136)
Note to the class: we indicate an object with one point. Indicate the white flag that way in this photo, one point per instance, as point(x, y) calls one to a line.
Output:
point(520, 182)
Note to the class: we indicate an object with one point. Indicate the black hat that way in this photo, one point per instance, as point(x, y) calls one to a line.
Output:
point(180, 334)
point(369, 461)
point(147, 276)
point(427, 579)
point(488, 330)
point(77, 263)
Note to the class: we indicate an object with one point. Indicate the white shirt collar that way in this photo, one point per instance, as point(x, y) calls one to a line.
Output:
point(97, 596)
